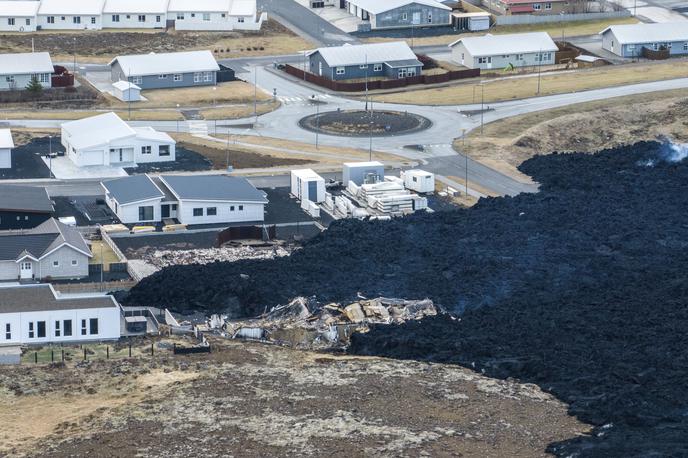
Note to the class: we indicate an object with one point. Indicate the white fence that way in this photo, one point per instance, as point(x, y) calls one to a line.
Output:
point(544, 19)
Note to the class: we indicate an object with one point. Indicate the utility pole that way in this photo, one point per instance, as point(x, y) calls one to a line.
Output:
point(317, 118)
point(50, 154)
point(366, 82)
point(539, 70)
point(227, 150)
point(370, 134)
point(255, 94)
point(465, 155)
point(74, 65)
point(129, 97)
point(102, 265)
point(482, 107)
point(304, 65)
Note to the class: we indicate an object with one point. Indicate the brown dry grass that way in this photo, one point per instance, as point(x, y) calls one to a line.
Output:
point(238, 111)
point(524, 87)
point(590, 126)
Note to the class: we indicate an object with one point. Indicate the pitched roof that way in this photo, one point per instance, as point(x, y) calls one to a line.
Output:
point(213, 187)
point(172, 62)
point(28, 62)
point(70, 7)
point(42, 297)
point(242, 8)
point(41, 240)
point(148, 133)
point(371, 53)
point(134, 188)
point(25, 198)
point(515, 43)
point(124, 85)
point(96, 130)
point(15, 8)
point(135, 6)
point(6, 139)
point(188, 6)
point(378, 6)
point(649, 33)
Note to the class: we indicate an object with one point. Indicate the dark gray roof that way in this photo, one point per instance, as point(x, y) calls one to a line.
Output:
point(404, 63)
point(25, 198)
point(39, 240)
point(165, 190)
point(133, 188)
point(37, 298)
point(213, 187)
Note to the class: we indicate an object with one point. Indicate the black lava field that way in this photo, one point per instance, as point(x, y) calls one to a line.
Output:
point(581, 288)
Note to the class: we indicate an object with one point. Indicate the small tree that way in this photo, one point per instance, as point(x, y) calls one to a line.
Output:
point(34, 87)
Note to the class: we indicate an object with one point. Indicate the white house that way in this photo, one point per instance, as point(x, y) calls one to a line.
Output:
point(16, 70)
point(107, 140)
point(71, 14)
point(50, 250)
point(628, 40)
point(135, 14)
point(6, 145)
point(37, 314)
point(217, 15)
point(307, 185)
point(190, 199)
point(18, 15)
point(126, 91)
point(502, 51)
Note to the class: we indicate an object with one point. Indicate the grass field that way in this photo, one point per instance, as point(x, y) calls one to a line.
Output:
point(524, 87)
point(223, 93)
point(102, 253)
point(557, 30)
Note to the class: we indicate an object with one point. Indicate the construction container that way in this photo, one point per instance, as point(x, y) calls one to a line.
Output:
point(363, 172)
point(307, 185)
point(419, 180)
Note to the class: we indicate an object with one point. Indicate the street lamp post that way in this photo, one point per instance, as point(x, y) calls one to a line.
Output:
point(74, 50)
point(482, 107)
point(255, 94)
point(50, 155)
point(317, 118)
point(465, 155)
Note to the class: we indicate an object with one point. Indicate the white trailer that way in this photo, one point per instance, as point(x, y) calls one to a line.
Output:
point(363, 172)
point(419, 180)
point(307, 185)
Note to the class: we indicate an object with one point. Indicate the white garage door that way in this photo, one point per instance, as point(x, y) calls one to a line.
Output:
point(92, 158)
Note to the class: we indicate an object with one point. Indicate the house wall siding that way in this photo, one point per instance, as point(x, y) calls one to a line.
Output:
point(352, 71)
point(500, 61)
point(64, 256)
point(21, 220)
point(611, 44)
point(155, 82)
point(9, 270)
point(20, 81)
point(68, 23)
point(5, 158)
point(133, 22)
point(20, 24)
point(251, 212)
point(129, 213)
point(403, 17)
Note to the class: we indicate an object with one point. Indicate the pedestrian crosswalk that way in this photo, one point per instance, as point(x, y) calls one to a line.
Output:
point(301, 100)
point(198, 127)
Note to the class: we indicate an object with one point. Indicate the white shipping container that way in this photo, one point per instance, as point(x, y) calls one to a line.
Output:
point(307, 185)
point(419, 180)
point(363, 172)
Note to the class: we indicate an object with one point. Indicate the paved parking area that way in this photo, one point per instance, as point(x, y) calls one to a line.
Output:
point(64, 169)
point(657, 10)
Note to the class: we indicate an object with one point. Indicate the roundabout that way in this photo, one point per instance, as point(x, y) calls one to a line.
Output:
point(362, 123)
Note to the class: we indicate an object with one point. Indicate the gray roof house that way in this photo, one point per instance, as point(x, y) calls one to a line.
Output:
point(50, 250)
point(24, 207)
point(189, 199)
point(501, 51)
point(390, 60)
point(628, 40)
point(166, 70)
point(16, 70)
point(395, 14)
point(6, 145)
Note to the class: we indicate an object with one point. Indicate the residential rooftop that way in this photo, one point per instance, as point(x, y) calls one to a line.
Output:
point(649, 33)
point(40, 241)
point(213, 187)
point(166, 63)
point(134, 188)
point(371, 53)
point(16, 8)
point(6, 139)
point(515, 43)
point(25, 198)
point(96, 130)
point(23, 63)
point(42, 297)
point(377, 6)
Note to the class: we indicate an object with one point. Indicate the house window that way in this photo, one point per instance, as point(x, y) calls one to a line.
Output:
point(62, 19)
point(164, 150)
point(146, 149)
point(128, 16)
point(76, 19)
point(485, 60)
point(240, 19)
point(198, 212)
point(537, 7)
point(75, 262)
point(177, 77)
point(208, 77)
point(180, 16)
point(56, 263)
point(206, 16)
point(519, 56)
point(211, 211)
point(57, 329)
point(51, 19)
point(162, 77)
point(142, 18)
point(146, 213)
point(404, 16)
point(28, 21)
point(115, 18)
point(223, 15)
point(198, 77)
point(93, 326)
point(8, 331)
point(83, 327)
point(241, 207)
point(10, 21)
point(43, 77)
point(362, 67)
point(548, 6)
point(231, 208)
point(137, 79)
point(377, 67)
point(193, 14)
point(685, 46)
point(93, 20)
point(10, 79)
point(157, 18)
point(31, 330)
point(40, 329)
point(340, 70)
point(67, 328)
point(429, 18)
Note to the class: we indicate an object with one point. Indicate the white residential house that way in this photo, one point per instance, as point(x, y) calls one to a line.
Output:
point(502, 51)
point(37, 314)
point(6, 145)
point(50, 250)
point(216, 15)
point(18, 16)
point(135, 14)
point(107, 140)
point(190, 199)
point(71, 14)
point(16, 70)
